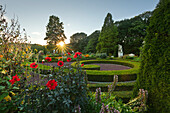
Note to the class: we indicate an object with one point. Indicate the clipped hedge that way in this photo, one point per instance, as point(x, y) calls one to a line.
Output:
point(126, 86)
point(107, 76)
point(91, 67)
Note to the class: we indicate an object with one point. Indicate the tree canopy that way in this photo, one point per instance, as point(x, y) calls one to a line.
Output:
point(132, 32)
point(55, 31)
point(108, 37)
point(78, 41)
point(92, 43)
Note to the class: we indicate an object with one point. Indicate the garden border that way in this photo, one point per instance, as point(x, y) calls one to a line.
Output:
point(107, 76)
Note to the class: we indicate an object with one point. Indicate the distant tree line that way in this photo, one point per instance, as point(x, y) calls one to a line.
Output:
point(129, 33)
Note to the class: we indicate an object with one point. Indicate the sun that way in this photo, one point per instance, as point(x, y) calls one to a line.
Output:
point(61, 43)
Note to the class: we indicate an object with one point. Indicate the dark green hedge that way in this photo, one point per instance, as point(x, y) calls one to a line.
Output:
point(91, 67)
point(127, 86)
point(107, 76)
point(154, 73)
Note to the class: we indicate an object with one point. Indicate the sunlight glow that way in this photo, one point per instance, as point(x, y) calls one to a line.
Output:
point(61, 43)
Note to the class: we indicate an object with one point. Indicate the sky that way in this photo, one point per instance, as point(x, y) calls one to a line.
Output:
point(77, 15)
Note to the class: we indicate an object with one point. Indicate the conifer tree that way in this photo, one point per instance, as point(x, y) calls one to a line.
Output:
point(108, 37)
point(154, 73)
point(55, 32)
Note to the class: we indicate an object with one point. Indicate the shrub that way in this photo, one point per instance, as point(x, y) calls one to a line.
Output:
point(101, 55)
point(67, 96)
point(14, 51)
point(154, 70)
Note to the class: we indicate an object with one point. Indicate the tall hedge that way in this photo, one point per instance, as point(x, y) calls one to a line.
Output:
point(154, 75)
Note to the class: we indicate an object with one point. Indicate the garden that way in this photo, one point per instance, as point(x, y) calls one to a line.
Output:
point(56, 79)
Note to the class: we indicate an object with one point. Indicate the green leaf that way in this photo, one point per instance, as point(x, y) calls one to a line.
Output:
point(3, 96)
point(2, 87)
point(15, 87)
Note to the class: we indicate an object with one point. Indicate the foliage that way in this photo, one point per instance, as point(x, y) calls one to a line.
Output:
point(78, 41)
point(38, 48)
point(93, 40)
point(139, 103)
point(69, 93)
point(154, 70)
point(55, 32)
point(101, 55)
point(14, 51)
point(108, 37)
point(132, 32)
point(111, 102)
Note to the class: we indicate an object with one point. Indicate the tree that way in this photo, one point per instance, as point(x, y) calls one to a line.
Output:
point(154, 74)
point(78, 41)
point(55, 32)
point(92, 43)
point(108, 37)
point(132, 32)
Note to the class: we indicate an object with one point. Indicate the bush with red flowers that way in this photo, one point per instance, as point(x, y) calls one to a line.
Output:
point(48, 59)
point(64, 90)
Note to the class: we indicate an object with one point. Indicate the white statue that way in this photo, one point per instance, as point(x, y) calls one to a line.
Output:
point(120, 51)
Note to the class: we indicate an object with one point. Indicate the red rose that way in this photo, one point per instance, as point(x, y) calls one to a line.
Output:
point(60, 63)
point(68, 59)
point(48, 59)
point(82, 65)
point(68, 53)
point(51, 84)
point(33, 65)
point(14, 79)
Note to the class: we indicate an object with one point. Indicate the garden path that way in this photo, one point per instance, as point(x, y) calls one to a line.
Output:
point(102, 66)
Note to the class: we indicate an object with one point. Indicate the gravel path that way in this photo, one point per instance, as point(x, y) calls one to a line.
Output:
point(111, 66)
point(102, 66)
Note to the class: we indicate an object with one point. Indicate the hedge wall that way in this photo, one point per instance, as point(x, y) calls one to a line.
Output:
point(154, 73)
point(91, 67)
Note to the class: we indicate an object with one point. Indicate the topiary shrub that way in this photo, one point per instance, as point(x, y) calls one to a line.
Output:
point(154, 70)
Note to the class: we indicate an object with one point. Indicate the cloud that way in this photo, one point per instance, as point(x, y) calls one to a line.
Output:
point(36, 33)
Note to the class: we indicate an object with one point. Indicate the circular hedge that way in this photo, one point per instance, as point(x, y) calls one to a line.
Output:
point(91, 67)
point(108, 76)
